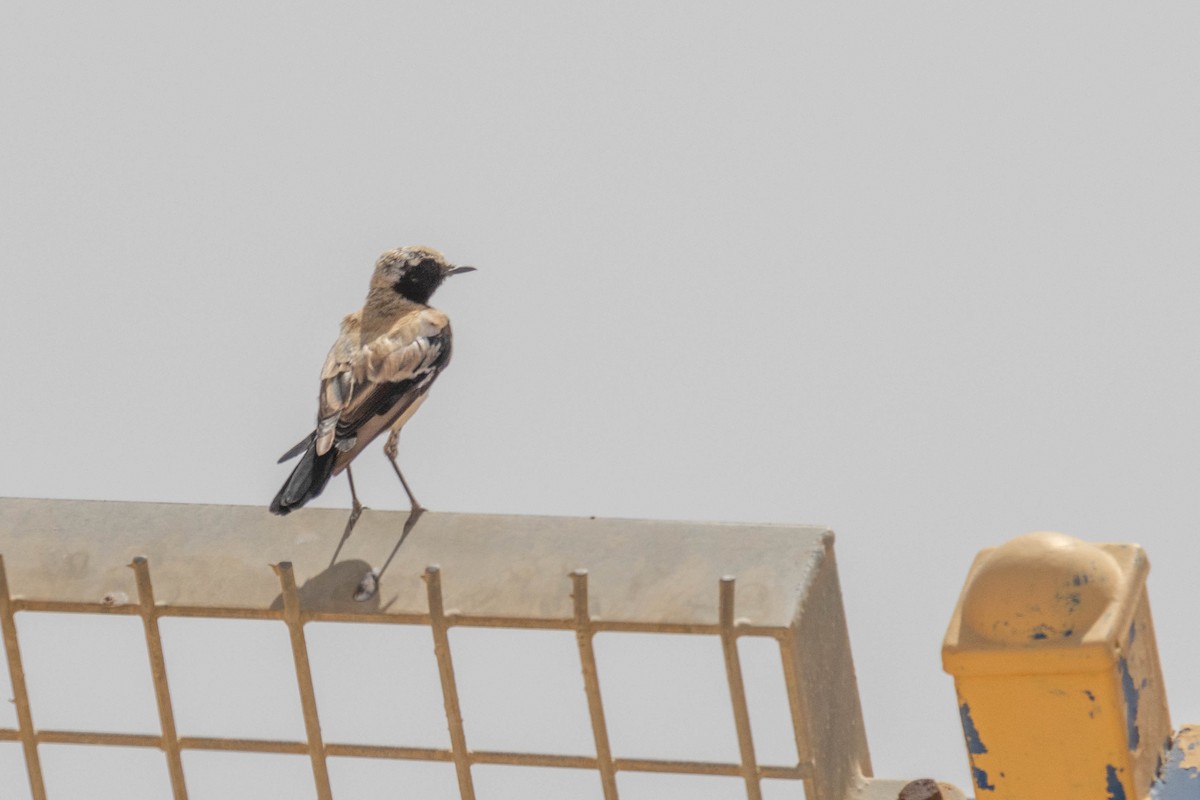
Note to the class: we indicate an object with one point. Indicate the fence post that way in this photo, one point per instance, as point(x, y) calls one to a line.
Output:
point(1054, 660)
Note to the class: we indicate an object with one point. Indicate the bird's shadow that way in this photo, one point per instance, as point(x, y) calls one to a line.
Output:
point(350, 586)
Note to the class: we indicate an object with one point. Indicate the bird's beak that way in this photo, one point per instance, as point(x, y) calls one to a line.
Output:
point(457, 270)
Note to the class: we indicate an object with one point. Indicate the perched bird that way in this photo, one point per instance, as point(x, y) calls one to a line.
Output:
point(376, 375)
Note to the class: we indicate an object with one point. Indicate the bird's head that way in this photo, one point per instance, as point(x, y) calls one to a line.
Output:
point(414, 272)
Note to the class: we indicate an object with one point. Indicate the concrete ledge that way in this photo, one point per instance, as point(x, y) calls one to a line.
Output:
point(206, 556)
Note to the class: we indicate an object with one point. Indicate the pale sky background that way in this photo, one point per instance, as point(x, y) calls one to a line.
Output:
point(923, 272)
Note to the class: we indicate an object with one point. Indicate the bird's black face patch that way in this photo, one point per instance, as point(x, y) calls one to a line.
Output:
point(419, 281)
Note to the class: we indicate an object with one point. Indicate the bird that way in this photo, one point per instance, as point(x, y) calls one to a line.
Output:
point(376, 375)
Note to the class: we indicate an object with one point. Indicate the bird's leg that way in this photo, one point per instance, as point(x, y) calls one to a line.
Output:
point(390, 449)
point(355, 512)
point(357, 507)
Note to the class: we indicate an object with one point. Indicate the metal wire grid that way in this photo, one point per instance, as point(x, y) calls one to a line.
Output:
point(459, 754)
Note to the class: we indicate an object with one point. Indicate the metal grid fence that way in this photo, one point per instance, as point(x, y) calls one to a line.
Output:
point(808, 626)
point(440, 622)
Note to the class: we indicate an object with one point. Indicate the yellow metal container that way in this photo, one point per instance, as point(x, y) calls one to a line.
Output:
point(1054, 660)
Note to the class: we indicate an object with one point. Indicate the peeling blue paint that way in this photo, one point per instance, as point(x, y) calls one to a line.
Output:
point(981, 781)
point(1072, 599)
point(1042, 632)
point(1081, 579)
point(1176, 782)
point(1090, 696)
point(1116, 791)
point(1132, 696)
point(1132, 633)
point(970, 732)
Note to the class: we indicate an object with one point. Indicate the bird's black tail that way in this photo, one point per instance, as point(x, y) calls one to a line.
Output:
point(307, 480)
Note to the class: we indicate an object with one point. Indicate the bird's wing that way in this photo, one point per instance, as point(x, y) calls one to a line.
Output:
point(337, 382)
point(388, 374)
